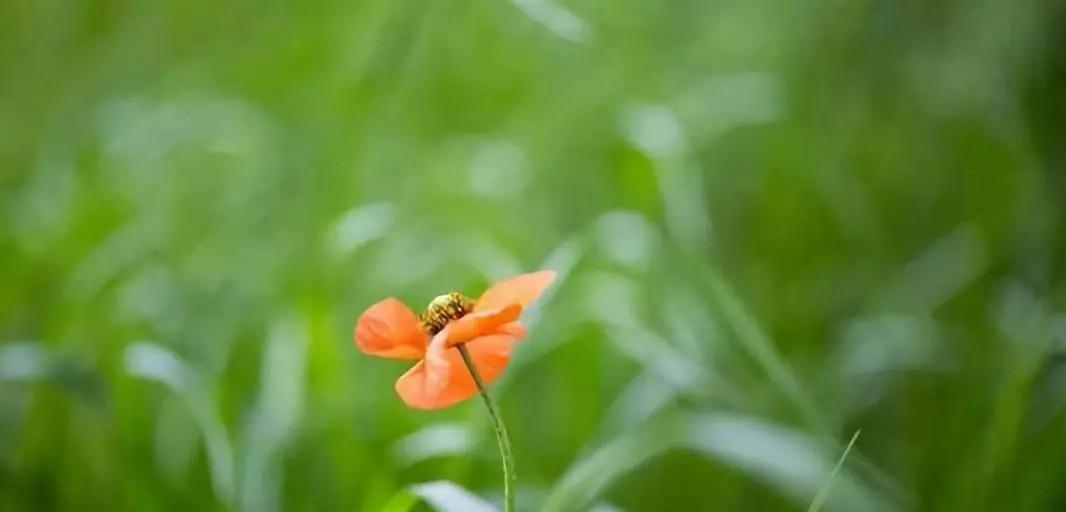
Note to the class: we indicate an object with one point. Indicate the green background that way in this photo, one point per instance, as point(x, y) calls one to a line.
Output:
point(775, 223)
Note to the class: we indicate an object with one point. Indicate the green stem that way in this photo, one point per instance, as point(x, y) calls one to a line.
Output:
point(501, 432)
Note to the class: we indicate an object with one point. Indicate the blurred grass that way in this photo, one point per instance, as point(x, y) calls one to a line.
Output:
point(776, 223)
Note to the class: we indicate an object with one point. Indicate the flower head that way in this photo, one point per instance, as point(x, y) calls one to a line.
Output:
point(487, 327)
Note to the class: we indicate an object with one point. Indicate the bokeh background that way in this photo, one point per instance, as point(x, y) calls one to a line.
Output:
point(775, 223)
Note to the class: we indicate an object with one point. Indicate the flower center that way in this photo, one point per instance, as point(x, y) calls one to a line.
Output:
point(443, 309)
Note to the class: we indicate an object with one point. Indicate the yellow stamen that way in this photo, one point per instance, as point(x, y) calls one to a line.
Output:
point(443, 309)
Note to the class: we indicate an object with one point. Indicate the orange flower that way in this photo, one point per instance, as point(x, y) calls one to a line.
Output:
point(488, 327)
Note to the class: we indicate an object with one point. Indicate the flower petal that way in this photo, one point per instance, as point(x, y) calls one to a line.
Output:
point(390, 329)
point(442, 380)
point(481, 323)
point(521, 290)
point(514, 329)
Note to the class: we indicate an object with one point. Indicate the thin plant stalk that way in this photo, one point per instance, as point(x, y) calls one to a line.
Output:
point(502, 439)
point(823, 493)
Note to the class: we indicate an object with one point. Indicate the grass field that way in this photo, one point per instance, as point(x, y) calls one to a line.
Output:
point(775, 224)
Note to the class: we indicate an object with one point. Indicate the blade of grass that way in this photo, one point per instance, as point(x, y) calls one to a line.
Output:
point(823, 493)
point(402, 501)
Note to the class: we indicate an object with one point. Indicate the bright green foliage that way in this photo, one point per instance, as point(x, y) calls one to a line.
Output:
point(775, 223)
